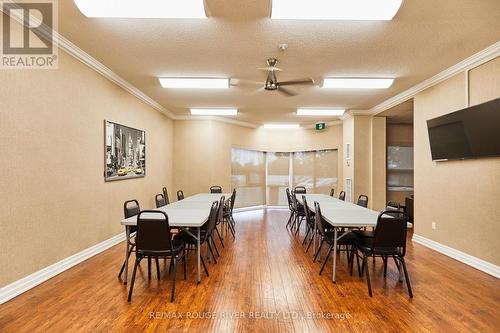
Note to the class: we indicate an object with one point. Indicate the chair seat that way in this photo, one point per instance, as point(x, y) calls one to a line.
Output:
point(347, 239)
point(363, 233)
point(177, 247)
point(187, 238)
point(365, 245)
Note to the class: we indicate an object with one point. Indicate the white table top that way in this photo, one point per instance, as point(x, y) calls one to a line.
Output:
point(191, 212)
point(340, 213)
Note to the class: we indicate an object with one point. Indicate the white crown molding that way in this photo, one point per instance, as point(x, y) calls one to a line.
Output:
point(20, 286)
point(472, 261)
point(473, 61)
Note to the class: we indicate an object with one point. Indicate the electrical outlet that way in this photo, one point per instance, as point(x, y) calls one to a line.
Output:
point(433, 225)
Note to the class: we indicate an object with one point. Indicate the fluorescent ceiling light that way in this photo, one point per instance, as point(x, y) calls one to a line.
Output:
point(357, 83)
point(142, 8)
point(281, 126)
point(335, 9)
point(194, 83)
point(215, 112)
point(319, 112)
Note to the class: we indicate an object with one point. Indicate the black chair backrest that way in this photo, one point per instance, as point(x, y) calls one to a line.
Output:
point(165, 195)
point(293, 198)
point(306, 210)
point(390, 231)
point(215, 189)
point(289, 198)
point(160, 200)
point(220, 213)
point(362, 201)
point(153, 232)
point(212, 219)
point(233, 199)
point(131, 210)
point(342, 195)
point(300, 190)
point(394, 205)
point(319, 219)
point(180, 195)
point(332, 192)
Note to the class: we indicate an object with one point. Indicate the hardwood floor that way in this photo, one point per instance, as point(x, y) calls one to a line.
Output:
point(263, 282)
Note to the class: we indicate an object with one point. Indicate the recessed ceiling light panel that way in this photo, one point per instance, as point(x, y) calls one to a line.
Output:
point(319, 112)
point(142, 8)
point(281, 126)
point(335, 9)
point(214, 112)
point(357, 83)
point(194, 83)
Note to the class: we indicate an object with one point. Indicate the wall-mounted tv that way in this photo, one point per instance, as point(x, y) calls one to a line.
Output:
point(469, 133)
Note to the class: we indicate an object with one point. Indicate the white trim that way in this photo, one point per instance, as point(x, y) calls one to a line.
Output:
point(475, 60)
point(215, 118)
point(472, 261)
point(277, 207)
point(20, 286)
point(247, 209)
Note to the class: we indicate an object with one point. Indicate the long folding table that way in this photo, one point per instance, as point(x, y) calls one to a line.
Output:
point(192, 213)
point(340, 214)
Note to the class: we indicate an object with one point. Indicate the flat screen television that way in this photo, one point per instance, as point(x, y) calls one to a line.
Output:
point(469, 133)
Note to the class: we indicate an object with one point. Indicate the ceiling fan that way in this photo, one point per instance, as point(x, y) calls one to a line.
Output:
point(272, 83)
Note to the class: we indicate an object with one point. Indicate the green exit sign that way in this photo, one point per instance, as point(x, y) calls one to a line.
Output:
point(320, 126)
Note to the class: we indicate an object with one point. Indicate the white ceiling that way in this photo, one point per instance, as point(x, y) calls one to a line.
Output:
point(426, 37)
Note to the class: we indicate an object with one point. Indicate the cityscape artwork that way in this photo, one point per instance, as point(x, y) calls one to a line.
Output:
point(125, 152)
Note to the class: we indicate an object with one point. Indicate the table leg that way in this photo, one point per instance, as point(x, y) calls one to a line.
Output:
point(334, 253)
point(314, 238)
point(127, 240)
point(198, 250)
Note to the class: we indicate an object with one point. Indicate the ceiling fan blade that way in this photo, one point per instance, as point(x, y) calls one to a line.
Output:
point(242, 82)
point(287, 92)
point(257, 91)
point(307, 81)
point(270, 69)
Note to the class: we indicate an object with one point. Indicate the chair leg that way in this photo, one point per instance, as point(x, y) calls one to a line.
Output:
point(231, 228)
point(170, 266)
point(318, 251)
point(204, 266)
point(215, 246)
point(128, 256)
point(308, 231)
point(289, 219)
point(220, 237)
point(353, 249)
point(399, 267)
point(326, 259)
point(184, 263)
point(407, 278)
point(157, 268)
point(365, 263)
point(174, 278)
point(298, 226)
point(310, 241)
point(149, 268)
point(211, 251)
point(137, 260)
point(384, 259)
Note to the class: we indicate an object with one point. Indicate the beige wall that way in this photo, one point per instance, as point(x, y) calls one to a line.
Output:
point(54, 198)
point(208, 144)
point(462, 197)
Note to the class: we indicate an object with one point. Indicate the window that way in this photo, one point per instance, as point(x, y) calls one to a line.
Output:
point(278, 178)
point(248, 177)
point(399, 168)
point(315, 170)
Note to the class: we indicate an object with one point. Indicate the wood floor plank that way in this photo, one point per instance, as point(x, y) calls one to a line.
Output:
point(263, 282)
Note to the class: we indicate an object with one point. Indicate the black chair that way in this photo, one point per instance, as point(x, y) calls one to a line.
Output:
point(206, 234)
point(290, 207)
point(393, 205)
point(298, 212)
point(300, 190)
point(362, 201)
point(180, 195)
point(228, 214)
point(215, 189)
point(154, 240)
point(389, 240)
point(130, 208)
point(409, 208)
point(342, 195)
point(165, 195)
point(328, 235)
point(160, 200)
point(309, 224)
point(332, 192)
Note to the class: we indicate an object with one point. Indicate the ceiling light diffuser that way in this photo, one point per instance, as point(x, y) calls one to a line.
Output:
point(281, 126)
point(319, 112)
point(142, 8)
point(215, 112)
point(357, 83)
point(335, 9)
point(194, 83)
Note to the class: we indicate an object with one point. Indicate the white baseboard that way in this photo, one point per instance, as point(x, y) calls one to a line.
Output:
point(20, 286)
point(475, 262)
point(246, 209)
